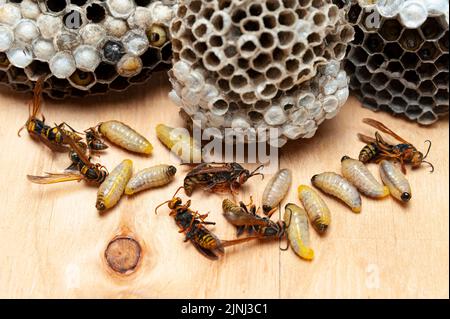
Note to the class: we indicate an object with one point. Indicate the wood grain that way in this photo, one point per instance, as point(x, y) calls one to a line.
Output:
point(53, 239)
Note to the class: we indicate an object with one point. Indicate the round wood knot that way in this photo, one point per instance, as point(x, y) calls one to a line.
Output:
point(123, 254)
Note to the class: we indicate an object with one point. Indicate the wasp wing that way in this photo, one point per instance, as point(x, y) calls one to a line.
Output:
point(380, 126)
point(74, 145)
point(53, 178)
point(208, 253)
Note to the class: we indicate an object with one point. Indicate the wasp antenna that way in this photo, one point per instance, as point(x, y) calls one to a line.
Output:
point(20, 130)
point(287, 246)
point(157, 207)
point(428, 150)
point(431, 165)
point(181, 187)
point(254, 172)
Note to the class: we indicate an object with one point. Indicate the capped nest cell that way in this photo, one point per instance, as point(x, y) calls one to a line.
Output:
point(398, 61)
point(249, 66)
point(83, 47)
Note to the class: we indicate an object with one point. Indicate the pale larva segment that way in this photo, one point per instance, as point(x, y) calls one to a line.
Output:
point(111, 190)
point(336, 185)
point(318, 211)
point(394, 179)
point(298, 231)
point(125, 137)
point(150, 177)
point(358, 174)
point(276, 189)
point(180, 143)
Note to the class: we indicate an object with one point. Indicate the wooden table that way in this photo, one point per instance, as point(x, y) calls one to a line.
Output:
point(53, 239)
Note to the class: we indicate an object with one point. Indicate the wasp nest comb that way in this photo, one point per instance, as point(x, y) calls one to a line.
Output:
point(398, 61)
point(83, 46)
point(248, 66)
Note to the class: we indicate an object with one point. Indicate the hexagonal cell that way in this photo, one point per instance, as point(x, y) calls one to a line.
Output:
point(359, 35)
point(82, 80)
point(441, 80)
point(442, 96)
point(427, 118)
point(384, 96)
point(398, 105)
point(428, 51)
point(444, 42)
point(395, 86)
point(349, 67)
point(56, 94)
point(426, 101)
point(413, 111)
point(119, 84)
point(427, 88)
point(411, 40)
point(363, 74)
point(409, 60)
point(3, 77)
point(394, 67)
point(442, 62)
point(390, 29)
point(354, 13)
point(373, 43)
point(427, 70)
point(358, 56)
point(393, 51)
point(99, 88)
point(105, 72)
point(17, 75)
point(375, 62)
point(441, 109)
point(95, 13)
point(56, 5)
point(370, 103)
point(151, 56)
point(385, 108)
point(411, 94)
point(432, 29)
point(379, 80)
point(368, 89)
point(37, 69)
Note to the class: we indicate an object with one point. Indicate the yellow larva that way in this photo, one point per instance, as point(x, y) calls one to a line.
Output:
point(336, 185)
point(394, 179)
point(125, 137)
point(298, 231)
point(155, 176)
point(276, 189)
point(180, 143)
point(318, 211)
point(112, 188)
point(358, 174)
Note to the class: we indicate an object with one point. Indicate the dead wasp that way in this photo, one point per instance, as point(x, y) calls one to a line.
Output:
point(245, 218)
point(80, 169)
point(51, 136)
point(378, 149)
point(218, 177)
point(94, 141)
point(192, 224)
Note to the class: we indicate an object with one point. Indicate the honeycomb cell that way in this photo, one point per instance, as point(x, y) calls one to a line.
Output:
point(354, 13)
point(359, 56)
point(374, 43)
point(396, 87)
point(398, 105)
point(409, 60)
point(411, 95)
point(427, 88)
point(427, 118)
point(394, 67)
point(432, 29)
point(392, 51)
point(390, 30)
point(411, 40)
point(428, 51)
point(427, 70)
point(379, 80)
point(444, 42)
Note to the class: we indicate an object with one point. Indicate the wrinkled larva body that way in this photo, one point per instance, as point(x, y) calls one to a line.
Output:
point(394, 179)
point(125, 137)
point(179, 143)
point(112, 188)
point(276, 189)
point(358, 174)
point(298, 231)
point(318, 211)
point(151, 177)
point(336, 185)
